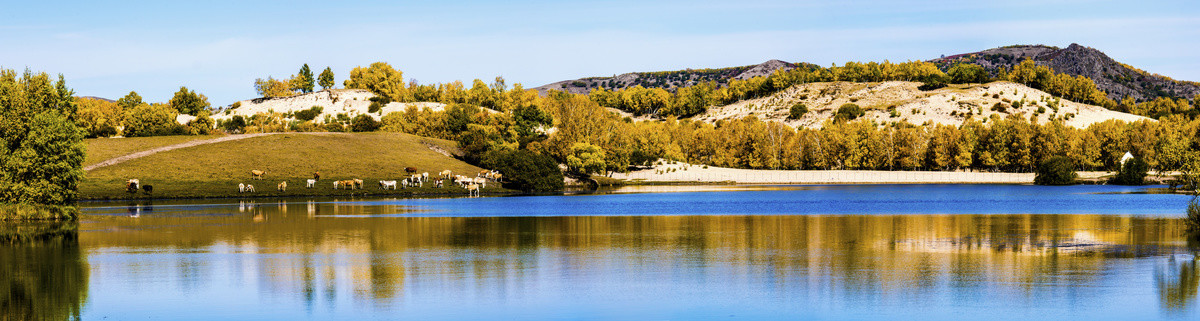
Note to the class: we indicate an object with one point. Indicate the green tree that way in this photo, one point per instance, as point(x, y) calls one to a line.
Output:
point(1057, 170)
point(151, 120)
point(381, 79)
point(303, 81)
point(528, 118)
point(130, 100)
point(189, 102)
point(586, 158)
point(326, 79)
point(525, 170)
point(967, 73)
point(41, 147)
point(1133, 172)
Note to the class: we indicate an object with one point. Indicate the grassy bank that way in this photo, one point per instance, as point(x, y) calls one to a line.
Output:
point(101, 149)
point(215, 170)
point(29, 212)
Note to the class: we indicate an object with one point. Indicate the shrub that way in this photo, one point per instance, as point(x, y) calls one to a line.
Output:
point(525, 170)
point(1193, 216)
point(309, 114)
point(364, 123)
point(1133, 172)
point(999, 107)
point(798, 110)
point(152, 120)
point(235, 124)
point(1057, 170)
point(235, 105)
point(27, 212)
point(848, 112)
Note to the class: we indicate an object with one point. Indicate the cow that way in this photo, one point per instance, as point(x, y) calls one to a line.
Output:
point(439, 183)
point(316, 176)
point(481, 181)
point(445, 174)
point(241, 188)
point(410, 170)
point(311, 183)
point(257, 174)
point(132, 185)
point(358, 183)
point(249, 188)
point(387, 184)
point(282, 187)
point(482, 173)
point(148, 188)
point(473, 190)
point(336, 184)
point(424, 177)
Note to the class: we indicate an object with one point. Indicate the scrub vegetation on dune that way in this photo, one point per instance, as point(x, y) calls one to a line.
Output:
point(215, 170)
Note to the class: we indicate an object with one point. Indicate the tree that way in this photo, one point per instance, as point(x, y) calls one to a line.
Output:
point(99, 118)
point(189, 102)
point(528, 118)
point(798, 110)
point(235, 124)
point(525, 170)
point(303, 81)
point(326, 79)
point(586, 158)
point(364, 123)
point(129, 101)
point(1133, 172)
point(272, 88)
point(151, 120)
point(1057, 170)
point(967, 73)
point(41, 147)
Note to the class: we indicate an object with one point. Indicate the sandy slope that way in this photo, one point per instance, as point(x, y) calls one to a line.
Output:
point(949, 105)
point(351, 102)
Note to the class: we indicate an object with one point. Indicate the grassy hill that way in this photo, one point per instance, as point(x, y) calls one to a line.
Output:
point(214, 170)
point(101, 149)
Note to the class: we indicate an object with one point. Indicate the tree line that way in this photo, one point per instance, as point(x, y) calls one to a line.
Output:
point(41, 147)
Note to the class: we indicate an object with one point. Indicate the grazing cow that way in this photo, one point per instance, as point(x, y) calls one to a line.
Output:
point(249, 188)
point(387, 184)
point(445, 174)
point(148, 188)
point(482, 173)
point(316, 176)
point(439, 183)
point(425, 177)
point(481, 181)
point(132, 185)
point(282, 187)
point(358, 183)
point(257, 174)
point(241, 188)
point(462, 180)
point(497, 177)
point(336, 184)
point(473, 190)
point(311, 183)
point(410, 170)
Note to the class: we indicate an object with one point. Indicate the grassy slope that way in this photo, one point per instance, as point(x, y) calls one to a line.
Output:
point(102, 149)
point(214, 170)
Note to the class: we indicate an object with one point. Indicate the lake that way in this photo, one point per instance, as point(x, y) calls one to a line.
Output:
point(852, 252)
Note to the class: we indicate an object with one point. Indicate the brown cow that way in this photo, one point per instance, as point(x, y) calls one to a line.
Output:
point(410, 170)
point(258, 174)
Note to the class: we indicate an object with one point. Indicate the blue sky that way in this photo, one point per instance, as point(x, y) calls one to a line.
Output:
point(219, 47)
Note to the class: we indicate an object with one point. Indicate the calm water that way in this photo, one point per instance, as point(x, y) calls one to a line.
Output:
point(926, 252)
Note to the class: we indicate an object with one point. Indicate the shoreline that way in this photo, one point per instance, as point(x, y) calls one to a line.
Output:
point(681, 173)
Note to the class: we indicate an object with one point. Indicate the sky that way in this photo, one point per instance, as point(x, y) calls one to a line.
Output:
point(218, 47)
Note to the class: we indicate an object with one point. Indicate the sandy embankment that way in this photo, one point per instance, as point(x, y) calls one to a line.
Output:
point(684, 173)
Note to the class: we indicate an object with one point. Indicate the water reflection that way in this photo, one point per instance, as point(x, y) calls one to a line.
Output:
point(43, 274)
point(334, 259)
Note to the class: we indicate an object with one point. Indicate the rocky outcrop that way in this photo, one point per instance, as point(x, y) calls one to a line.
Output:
point(668, 79)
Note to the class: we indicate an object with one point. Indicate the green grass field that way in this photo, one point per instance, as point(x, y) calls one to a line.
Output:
point(214, 170)
point(101, 149)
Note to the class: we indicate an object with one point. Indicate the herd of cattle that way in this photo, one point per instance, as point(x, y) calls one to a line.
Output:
point(473, 185)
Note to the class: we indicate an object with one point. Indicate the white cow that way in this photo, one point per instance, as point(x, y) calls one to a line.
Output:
point(387, 185)
point(249, 188)
point(311, 183)
point(481, 181)
point(241, 188)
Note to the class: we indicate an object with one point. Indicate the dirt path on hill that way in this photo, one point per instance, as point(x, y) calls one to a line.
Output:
point(125, 158)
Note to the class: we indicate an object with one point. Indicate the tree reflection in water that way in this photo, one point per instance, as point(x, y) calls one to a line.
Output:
point(43, 274)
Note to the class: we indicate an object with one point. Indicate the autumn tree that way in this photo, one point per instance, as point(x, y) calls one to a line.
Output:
point(272, 88)
point(129, 101)
point(381, 79)
point(41, 147)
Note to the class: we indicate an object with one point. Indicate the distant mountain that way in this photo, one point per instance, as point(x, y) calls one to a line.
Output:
point(97, 98)
point(1112, 77)
point(669, 79)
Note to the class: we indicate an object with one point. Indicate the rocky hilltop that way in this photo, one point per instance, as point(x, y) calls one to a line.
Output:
point(1117, 79)
point(668, 79)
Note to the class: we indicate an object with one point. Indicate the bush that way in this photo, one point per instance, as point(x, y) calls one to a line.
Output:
point(1133, 172)
point(235, 124)
point(798, 110)
point(152, 120)
point(309, 114)
point(1057, 170)
point(29, 212)
point(999, 107)
point(525, 170)
point(364, 123)
point(848, 112)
